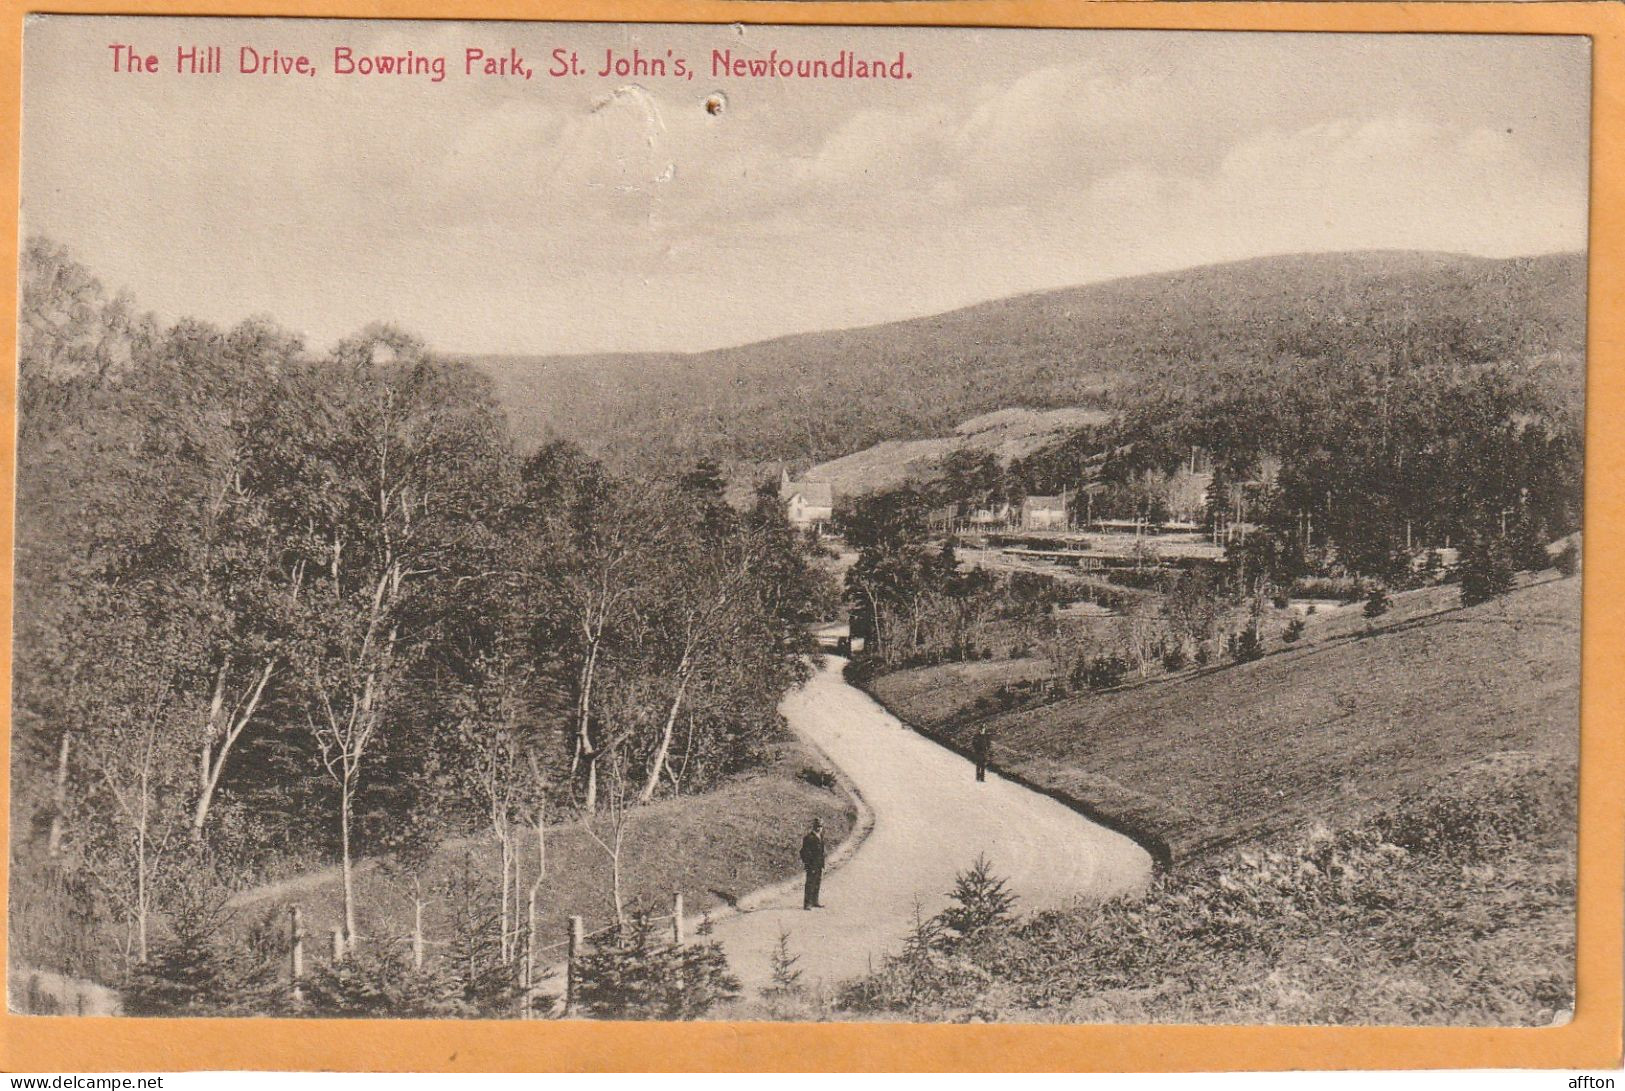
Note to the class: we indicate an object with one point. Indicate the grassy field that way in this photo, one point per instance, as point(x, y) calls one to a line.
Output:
point(1356, 715)
point(715, 848)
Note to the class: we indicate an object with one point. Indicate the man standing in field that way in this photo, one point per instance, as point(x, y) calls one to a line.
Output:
point(812, 858)
point(981, 745)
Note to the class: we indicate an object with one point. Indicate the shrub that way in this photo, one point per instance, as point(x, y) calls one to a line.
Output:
point(980, 902)
point(1294, 630)
point(380, 982)
point(636, 977)
point(1567, 560)
point(1106, 671)
point(921, 978)
point(1526, 542)
point(1245, 646)
point(1377, 603)
point(1173, 658)
point(194, 973)
point(786, 974)
point(818, 778)
point(1486, 571)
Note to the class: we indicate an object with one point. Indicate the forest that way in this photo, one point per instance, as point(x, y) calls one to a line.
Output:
point(1354, 473)
point(278, 609)
point(1264, 322)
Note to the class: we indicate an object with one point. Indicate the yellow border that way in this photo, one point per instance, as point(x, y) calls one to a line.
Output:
point(1591, 1040)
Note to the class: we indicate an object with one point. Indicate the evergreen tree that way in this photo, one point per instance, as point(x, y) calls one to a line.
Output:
point(786, 975)
point(1486, 570)
point(637, 977)
point(981, 901)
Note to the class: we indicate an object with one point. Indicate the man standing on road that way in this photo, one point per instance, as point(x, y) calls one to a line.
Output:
point(981, 746)
point(812, 858)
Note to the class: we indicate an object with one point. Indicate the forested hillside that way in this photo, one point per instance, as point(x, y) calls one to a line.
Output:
point(821, 395)
point(277, 610)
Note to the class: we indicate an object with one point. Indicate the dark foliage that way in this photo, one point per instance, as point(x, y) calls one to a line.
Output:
point(981, 901)
point(1567, 561)
point(1486, 570)
point(635, 976)
point(380, 982)
point(1245, 645)
point(293, 610)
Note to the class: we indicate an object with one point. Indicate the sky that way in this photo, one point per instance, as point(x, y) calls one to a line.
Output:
point(496, 214)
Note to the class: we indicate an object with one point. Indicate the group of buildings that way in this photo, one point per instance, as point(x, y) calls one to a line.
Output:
point(810, 505)
point(1182, 495)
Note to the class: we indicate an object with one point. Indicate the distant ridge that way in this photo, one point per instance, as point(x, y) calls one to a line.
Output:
point(816, 396)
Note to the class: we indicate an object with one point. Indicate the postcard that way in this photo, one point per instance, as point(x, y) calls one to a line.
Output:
point(550, 523)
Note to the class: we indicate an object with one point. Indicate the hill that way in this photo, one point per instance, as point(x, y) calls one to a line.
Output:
point(1323, 731)
point(813, 397)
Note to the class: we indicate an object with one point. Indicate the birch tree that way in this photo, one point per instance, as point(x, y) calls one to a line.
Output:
point(589, 543)
point(383, 476)
point(202, 400)
point(131, 757)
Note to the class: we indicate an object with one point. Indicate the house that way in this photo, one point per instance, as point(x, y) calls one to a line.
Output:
point(1044, 512)
point(1187, 495)
point(997, 515)
point(807, 504)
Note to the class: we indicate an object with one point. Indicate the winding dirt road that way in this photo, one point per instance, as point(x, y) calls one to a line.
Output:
point(930, 820)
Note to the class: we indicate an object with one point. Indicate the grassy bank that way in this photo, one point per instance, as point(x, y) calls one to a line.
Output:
point(1353, 717)
point(1456, 907)
point(714, 848)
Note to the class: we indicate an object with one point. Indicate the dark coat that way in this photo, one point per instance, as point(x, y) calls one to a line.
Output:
point(812, 849)
point(981, 745)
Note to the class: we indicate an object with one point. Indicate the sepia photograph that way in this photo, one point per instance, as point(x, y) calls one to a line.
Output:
point(573, 521)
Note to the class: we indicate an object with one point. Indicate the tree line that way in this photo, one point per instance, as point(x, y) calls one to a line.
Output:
point(278, 608)
point(1350, 465)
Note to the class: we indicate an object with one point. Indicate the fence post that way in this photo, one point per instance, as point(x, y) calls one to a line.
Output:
point(571, 985)
point(677, 917)
point(296, 951)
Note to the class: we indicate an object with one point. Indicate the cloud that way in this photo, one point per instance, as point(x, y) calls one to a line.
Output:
point(580, 215)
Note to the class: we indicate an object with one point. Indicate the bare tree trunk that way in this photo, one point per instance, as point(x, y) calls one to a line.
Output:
point(589, 802)
point(211, 727)
point(346, 788)
point(584, 750)
point(141, 873)
point(615, 875)
point(658, 762)
point(530, 952)
point(505, 839)
point(214, 764)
